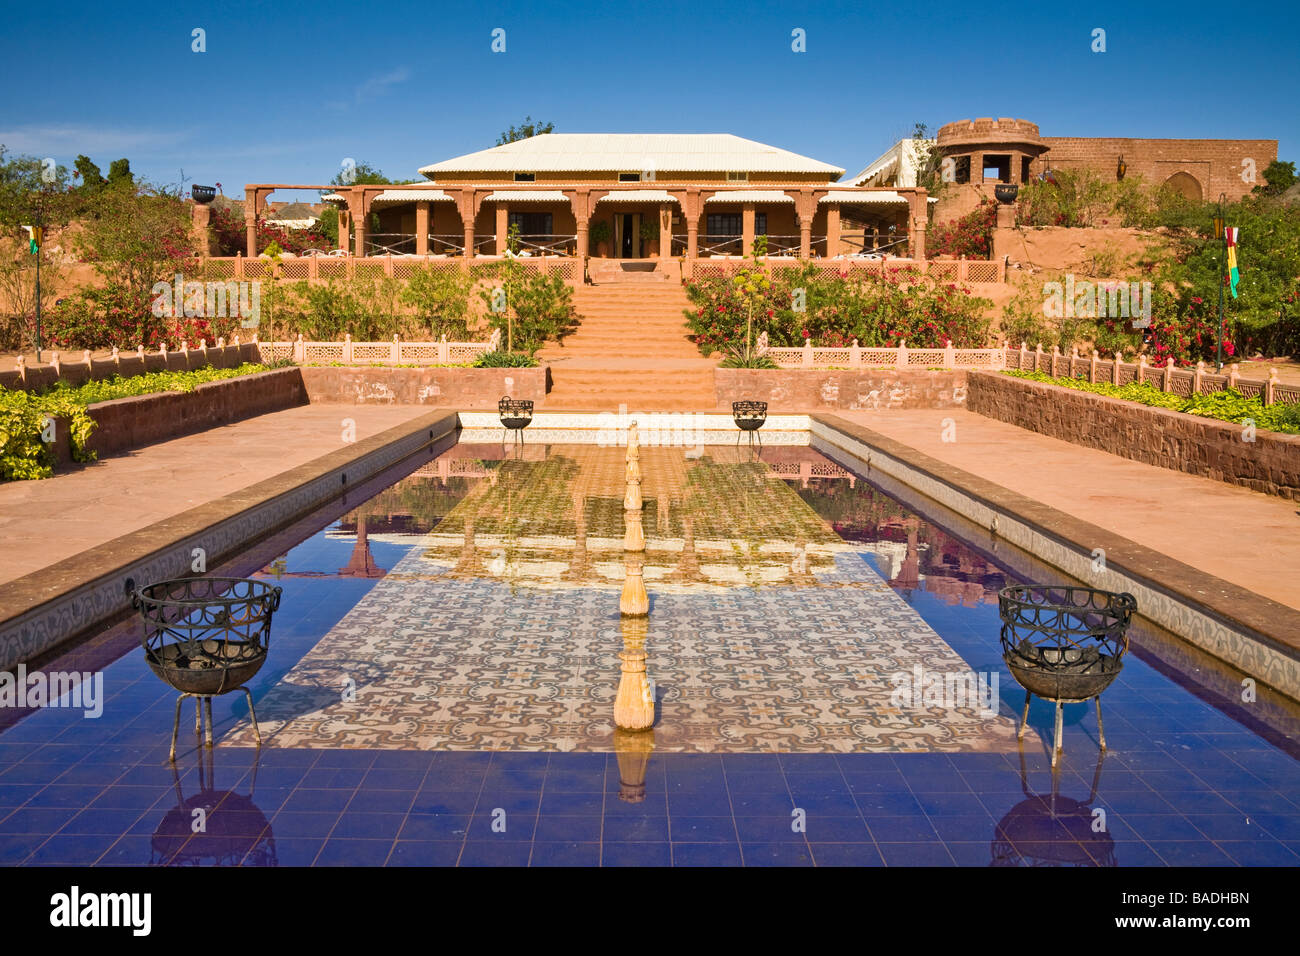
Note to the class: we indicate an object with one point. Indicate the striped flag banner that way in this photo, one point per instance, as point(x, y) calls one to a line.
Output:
point(1230, 236)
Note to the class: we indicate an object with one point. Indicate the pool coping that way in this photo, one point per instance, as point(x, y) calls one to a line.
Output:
point(47, 609)
point(1255, 634)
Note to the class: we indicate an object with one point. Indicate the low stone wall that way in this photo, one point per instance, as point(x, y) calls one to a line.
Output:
point(1154, 436)
point(74, 371)
point(808, 390)
point(126, 423)
point(463, 388)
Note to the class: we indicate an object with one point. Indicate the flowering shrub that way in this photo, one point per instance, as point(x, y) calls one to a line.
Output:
point(971, 236)
point(231, 235)
point(901, 305)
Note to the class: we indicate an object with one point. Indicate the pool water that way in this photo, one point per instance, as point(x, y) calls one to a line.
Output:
point(444, 664)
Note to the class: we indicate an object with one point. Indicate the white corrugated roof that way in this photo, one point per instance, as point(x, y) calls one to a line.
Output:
point(527, 195)
point(413, 195)
point(622, 152)
point(873, 197)
point(638, 195)
point(751, 195)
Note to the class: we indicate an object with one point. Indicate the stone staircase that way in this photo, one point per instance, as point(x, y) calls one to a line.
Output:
point(630, 349)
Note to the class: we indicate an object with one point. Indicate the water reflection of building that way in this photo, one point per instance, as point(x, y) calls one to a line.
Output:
point(916, 554)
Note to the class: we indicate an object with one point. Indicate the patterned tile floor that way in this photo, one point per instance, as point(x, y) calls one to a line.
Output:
point(1183, 782)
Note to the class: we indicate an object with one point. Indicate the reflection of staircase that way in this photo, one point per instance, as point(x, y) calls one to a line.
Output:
point(631, 348)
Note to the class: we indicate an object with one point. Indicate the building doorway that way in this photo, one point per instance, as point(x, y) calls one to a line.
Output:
point(629, 230)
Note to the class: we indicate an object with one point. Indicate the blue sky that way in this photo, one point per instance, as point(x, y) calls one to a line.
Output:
point(285, 92)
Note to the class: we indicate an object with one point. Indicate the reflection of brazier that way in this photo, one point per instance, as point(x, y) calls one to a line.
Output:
point(1052, 830)
point(213, 827)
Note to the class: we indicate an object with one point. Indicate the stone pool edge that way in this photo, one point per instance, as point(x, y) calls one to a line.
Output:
point(52, 606)
point(1225, 620)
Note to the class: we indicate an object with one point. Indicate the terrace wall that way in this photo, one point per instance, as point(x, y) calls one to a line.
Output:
point(1154, 436)
point(465, 388)
point(85, 367)
point(807, 390)
point(127, 423)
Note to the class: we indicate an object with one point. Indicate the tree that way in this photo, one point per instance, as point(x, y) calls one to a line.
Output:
point(1279, 177)
point(91, 178)
point(25, 195)
point(527, 129)
point(119, 173)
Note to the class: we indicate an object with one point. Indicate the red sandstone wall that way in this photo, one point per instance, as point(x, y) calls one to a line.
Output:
point(459, 388)
point(1214, 163)
point(1154, 436)
point(809, 390)
point(127, 423)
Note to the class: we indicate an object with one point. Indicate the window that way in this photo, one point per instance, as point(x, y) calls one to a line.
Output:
point(1024, 169)
point(723, 224)
point(629, 177)
point(737, 177)
point(731, 224)
point(997, 168)
point(961, 171)
point(532, 223)
point(525, 177)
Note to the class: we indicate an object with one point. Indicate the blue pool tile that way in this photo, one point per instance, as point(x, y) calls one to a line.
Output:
point(16, 848)
point(581, 829)
point(74, 849)
point(37, 820)
point(699, 803)
point(1154, 827)
point(129, 850)
point(651, 828)
point(1261, 801)
point(822, 828)
point(115, 822)
point(392, 779)
point(768, 830)
point(635, 854)
point(692, 829)
point(381, 801)
point(332, 778)
point(846, 854)
point(810, 763)
point(425, 853)
point(522, 760)
point(766, 803)
point(572, 803)
point(751, 763)
point(504, 778)
point(368, 826)
point(445, 801)
point(495, 853)
point(318, 801)
point(547, 853)
point(128, 798)
point(354, 759)
point(1236, 827)
point(1259, 853)
point(296, 824)
point(524, 801)
point(354, 853)
point(435, 826)
point(950, 804)
point(706, 854)
point(419, 760)
point(970, 853)
point(888, 803)
point(487, 824)
point(591, 780)
point(908, 829)
point(968, 827)
point(1190, 853)
point(777, 854)
point(1125, 853)
point(915, 854)
point(461, 760)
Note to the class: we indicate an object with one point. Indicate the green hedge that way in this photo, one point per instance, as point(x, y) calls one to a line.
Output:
point(1228, 405)
point(23, 415)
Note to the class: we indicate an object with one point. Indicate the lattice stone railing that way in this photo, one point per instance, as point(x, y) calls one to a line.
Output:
point(1168, 378)
point(854, 356)
point(395, 352)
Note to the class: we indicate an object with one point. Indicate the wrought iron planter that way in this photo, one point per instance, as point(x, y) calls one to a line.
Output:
point(516, 414)
point(749, 417)
point(203, 194)
point(206, 637)
point(1006, 192)
point(1065, 644)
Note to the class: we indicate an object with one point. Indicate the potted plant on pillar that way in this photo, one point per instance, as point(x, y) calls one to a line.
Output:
point(600, 235)
point(649, 238)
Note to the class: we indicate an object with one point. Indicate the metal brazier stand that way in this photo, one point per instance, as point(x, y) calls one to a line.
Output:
point(516, 415)
point(206, 637)
point(749, 417)
point(1064, 644)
